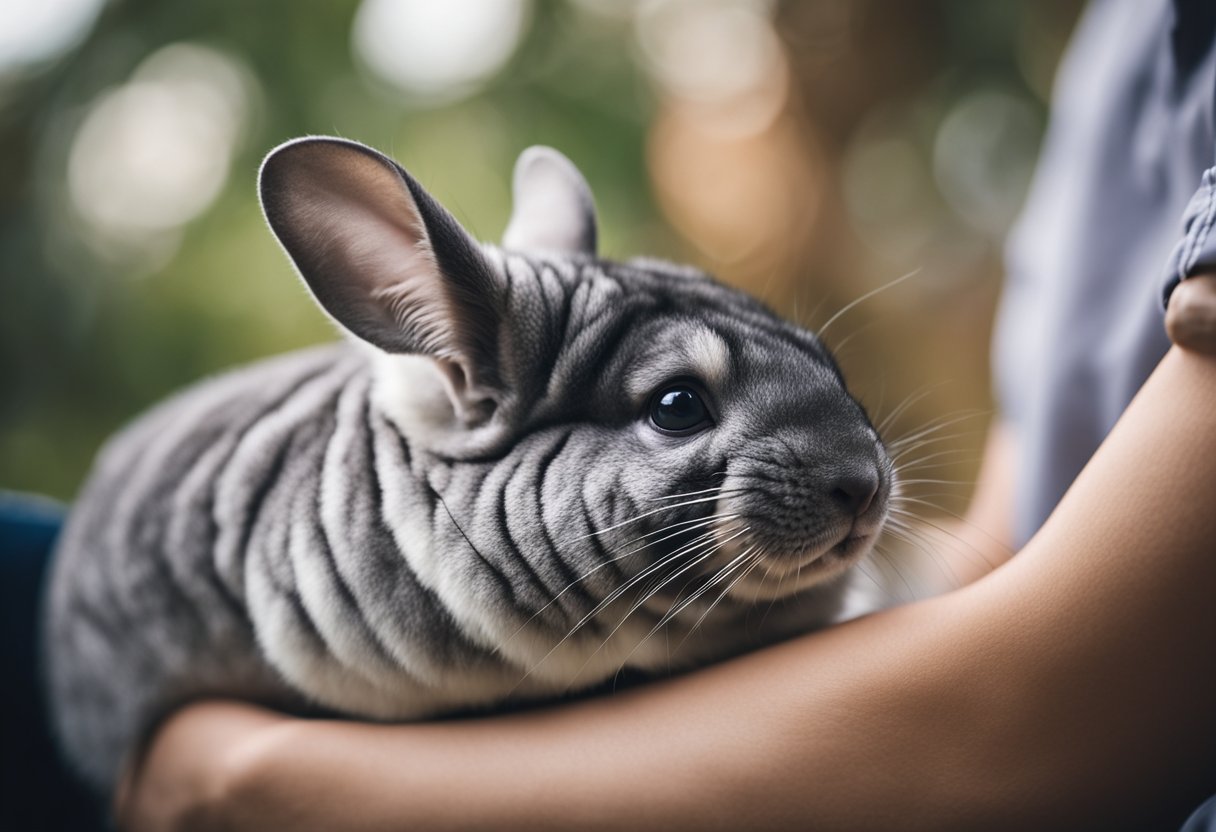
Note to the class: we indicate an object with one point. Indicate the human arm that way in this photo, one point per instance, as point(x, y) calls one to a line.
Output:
point(1073, 686)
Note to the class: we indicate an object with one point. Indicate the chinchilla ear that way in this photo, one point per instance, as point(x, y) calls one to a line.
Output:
point(386, 260)
point(554, 209)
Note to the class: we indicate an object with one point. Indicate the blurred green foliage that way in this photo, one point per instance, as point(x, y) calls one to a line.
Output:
point(87, 340)
point(84, 345)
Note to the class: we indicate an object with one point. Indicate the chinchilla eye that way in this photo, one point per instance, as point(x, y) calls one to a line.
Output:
point(678, 410)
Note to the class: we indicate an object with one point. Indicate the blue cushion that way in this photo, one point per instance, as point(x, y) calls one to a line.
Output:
point(36, 792)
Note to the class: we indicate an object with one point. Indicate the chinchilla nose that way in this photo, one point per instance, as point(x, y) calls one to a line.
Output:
point(854, 490)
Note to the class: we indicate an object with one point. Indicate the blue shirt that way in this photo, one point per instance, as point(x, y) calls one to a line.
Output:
point(1125, 186)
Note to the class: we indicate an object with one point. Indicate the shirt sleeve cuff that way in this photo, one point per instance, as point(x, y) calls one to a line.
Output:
point(1196, 251)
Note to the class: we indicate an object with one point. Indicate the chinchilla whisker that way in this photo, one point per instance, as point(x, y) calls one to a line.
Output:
point(797, 573)
point(920, 543)
point(646, 597)
point(780, 586)
point(668, 580)
point(925, 498)
point(638, 517)
point(928, 466)
point(697, 542)
point(902, 519)
point(957, 454)
point(913, 530)
point(925, 481)
point(586, 574)
point(722, 574)
point(804, 320)
point(861, 567)
point(937, 419)
point(838, 349)
point(959, 541)
point(734, 533)
point(651, 591)
point(899, 515)
point(766, 460)
point(936, 426)
point(893, 566)
point(701, 538)
point(901, 501)
point(897, 454)
point(676, 597)
point(673, 612)
point(682, 526)
point(748, 567)
point(886, 563)
point(916, 530)
point(672, 529)
point(853, 303)
point(903, 447)
point(599, 608)
point(910, 528)
point(953, 417)
point(717, 489)
point(901, 461)
point(904, 499)
point(931, 547)
point(680, 605)
point(909, 401)
point(704, 540)
point(669, 531)
point(663, 580)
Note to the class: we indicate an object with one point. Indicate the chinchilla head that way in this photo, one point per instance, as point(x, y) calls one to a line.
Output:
point(591, 424)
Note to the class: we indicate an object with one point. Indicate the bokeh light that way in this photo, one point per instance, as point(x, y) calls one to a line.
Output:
point(888, 189)
point(983, 156)
point(722, 56)
point(37, 30)
point(444, 50)
point(154, 153)
point(731, 173)
point(807, 152)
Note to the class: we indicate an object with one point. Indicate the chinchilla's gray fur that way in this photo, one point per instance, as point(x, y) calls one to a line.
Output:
point(468, 501)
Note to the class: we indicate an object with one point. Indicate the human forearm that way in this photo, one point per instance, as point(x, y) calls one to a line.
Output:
point(1071, 687)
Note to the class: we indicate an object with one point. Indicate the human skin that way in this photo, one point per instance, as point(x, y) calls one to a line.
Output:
point(1190, 319)
point(1072, 687)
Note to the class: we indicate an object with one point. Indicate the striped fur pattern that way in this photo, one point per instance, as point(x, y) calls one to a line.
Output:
point(470, 500)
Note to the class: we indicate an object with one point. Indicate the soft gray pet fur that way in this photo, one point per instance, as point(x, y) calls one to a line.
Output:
point(471, 501)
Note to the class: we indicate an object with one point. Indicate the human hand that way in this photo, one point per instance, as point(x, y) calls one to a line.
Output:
point(183, 778)
point(1190, 319)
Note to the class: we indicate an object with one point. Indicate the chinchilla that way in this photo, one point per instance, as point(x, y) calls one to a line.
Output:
point(525, 469)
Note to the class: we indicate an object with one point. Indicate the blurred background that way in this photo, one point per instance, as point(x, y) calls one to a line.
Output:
point(809, 152)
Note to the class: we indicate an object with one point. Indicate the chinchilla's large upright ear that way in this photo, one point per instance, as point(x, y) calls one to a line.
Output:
point(554, 209)
point(387, 261)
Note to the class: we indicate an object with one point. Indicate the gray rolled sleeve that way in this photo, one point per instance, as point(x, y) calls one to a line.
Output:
point(1196, 251)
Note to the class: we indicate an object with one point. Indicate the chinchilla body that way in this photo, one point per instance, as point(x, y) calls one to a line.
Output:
point(527, 469)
